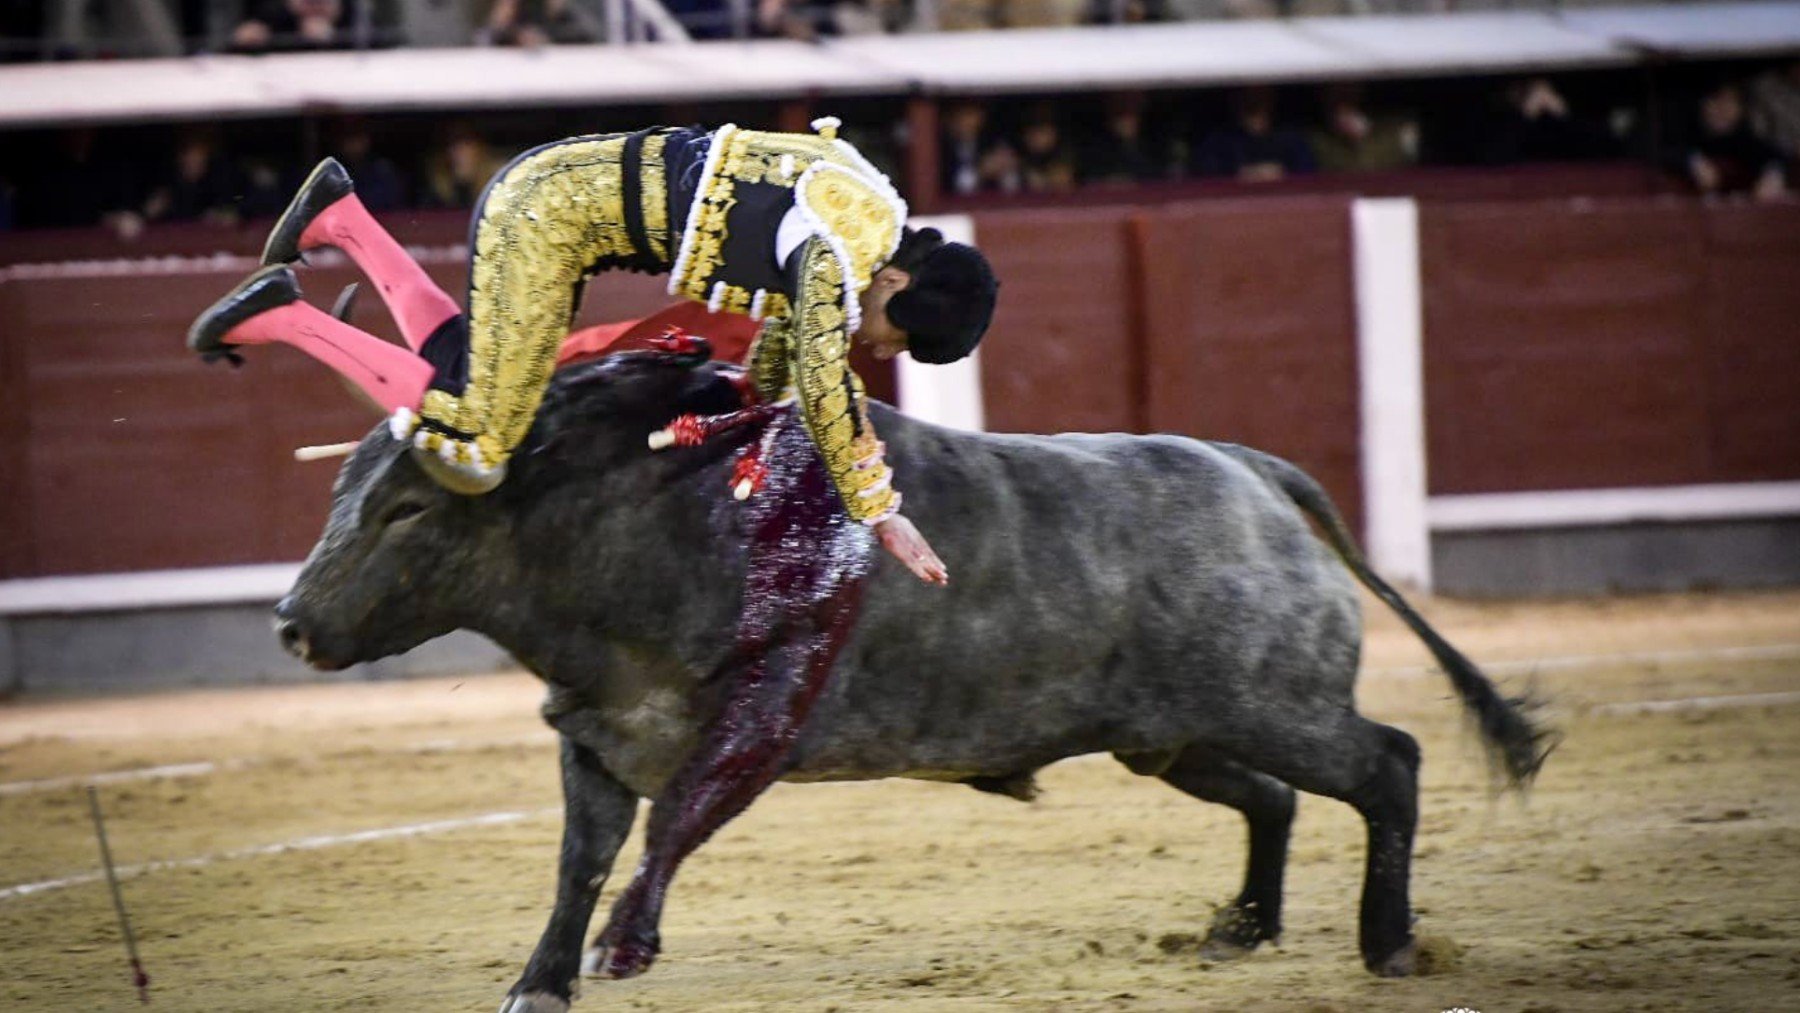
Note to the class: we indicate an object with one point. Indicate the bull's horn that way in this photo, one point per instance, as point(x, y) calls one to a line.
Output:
point(461, 481)
point(321, 452)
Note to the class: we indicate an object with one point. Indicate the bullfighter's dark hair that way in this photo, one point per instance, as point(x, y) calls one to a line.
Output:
point(950, 301)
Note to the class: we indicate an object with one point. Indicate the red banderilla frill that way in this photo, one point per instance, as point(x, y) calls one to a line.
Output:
point(692, 430)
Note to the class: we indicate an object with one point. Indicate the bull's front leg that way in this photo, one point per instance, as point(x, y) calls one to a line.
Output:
point(597, 815)
point(745, 749)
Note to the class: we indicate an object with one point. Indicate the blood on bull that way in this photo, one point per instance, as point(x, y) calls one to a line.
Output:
point(1178, 614)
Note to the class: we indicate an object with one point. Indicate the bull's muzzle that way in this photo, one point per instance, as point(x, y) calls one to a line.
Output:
point(290, 632)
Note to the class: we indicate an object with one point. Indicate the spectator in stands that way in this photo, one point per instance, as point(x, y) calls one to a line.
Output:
point(1725, 155)
point(972, 159)
point(286, 25)
point(1775, 108)
point(707, 19)
point(79, 183)
point(265, 187)
point(1042, 13)
point(1121, 152)
point(456, 175)
point(1046, 161)
point(1253, 147)
point(804, 20)
point(379, 182)
point(528, 24)
point(199, 184)
point(1351, 138)
point(1537, 124)
point(21, 30)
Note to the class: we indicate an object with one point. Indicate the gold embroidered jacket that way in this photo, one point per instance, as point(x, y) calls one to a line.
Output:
point(855, 220)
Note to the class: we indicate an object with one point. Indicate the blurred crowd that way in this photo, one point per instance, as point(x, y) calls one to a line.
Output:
point(1733, 136)
point(69, 29)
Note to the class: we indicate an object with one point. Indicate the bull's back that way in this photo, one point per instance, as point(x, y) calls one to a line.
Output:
point(1106, 592)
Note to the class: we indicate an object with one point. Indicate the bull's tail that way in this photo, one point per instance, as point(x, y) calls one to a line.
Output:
point(1516, 743)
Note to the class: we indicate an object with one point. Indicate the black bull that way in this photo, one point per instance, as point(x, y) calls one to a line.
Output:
point(1158, 598)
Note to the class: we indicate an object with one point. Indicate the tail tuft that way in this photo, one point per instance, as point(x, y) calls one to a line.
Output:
point(1516, 741)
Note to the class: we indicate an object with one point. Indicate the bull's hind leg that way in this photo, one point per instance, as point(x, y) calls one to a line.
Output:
point(1375, 768)
point(1268, 808)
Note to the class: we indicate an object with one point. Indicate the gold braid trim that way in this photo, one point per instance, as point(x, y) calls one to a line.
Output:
point(702, 248)
point(544, 221)
point(831, 394)
point(854, 203)
point(768, 361)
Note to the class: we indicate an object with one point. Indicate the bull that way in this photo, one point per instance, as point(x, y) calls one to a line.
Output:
point(1158, 598)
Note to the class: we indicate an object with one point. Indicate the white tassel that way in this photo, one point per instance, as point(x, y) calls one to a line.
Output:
point(402, 423)
point(662, 439)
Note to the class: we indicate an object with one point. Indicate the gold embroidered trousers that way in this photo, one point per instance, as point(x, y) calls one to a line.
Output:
point(551, 218)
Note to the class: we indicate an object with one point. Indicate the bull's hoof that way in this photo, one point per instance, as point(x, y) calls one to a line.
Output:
point(534, 1002)
point(1402, 963)
point(624, 958)
point(1235, 932)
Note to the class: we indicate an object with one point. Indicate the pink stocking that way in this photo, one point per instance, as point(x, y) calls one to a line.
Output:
point(392, 376)
point(416, 302)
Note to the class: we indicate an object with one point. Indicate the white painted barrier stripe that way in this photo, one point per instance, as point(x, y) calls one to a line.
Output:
point(312, 843)
point(244, 763)
point(1766, 652)
point(212, 263)
point(111, 777)
point(1390, 369)
point(1699, 703)
point(1584, 507)
point(209, 585)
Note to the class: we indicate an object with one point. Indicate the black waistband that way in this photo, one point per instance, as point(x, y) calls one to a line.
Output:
point(634, 191)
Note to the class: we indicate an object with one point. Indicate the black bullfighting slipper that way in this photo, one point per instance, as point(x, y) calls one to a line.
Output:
point(270, 288)
point(328, 183)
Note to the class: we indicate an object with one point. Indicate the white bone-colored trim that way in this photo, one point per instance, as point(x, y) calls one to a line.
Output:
point(1390, 371)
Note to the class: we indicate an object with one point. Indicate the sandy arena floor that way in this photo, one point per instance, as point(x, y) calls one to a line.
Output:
point(1655, 867)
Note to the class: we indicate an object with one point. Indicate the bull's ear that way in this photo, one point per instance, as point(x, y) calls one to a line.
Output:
point(456, 480)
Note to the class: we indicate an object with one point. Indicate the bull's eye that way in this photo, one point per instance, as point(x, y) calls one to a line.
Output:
point(401, 511)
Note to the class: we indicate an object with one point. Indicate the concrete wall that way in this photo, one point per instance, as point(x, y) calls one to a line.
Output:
point(131, 651)
point(1692, 555)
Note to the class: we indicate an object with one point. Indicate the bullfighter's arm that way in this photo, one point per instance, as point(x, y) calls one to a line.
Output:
point(767, 361)
point(831, 394)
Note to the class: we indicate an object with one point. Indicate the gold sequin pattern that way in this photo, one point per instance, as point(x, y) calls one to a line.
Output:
point(768, 362)
point(848, 205)
point(545, 220)
point(851, 210)
point(817, 353)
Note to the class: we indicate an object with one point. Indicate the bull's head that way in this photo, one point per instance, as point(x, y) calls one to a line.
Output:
point(404, 559)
